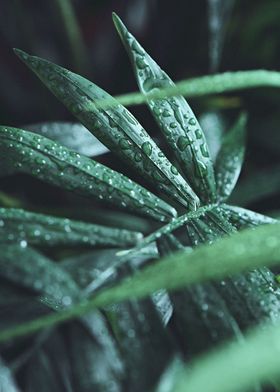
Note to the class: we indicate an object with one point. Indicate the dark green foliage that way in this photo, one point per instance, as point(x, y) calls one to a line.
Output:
point(137, 309)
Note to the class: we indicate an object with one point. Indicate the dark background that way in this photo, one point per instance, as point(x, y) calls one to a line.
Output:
point(177, 36)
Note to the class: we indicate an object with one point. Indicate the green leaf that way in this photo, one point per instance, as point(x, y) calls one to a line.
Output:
point(28, 227)
point(141, 335)
point(41, 375)
point(175, 118)
point(203, 225)
point(117, 128)
point(31, 270)
point(204, 85)
point(72, 135)
point(170, 376)
point(252, 297)
point(236, 367)
point(93, 368)
point(51, 162)
point(241, 251)
point(7, 382)
point(86, 268)
point(242, 218)
point(18, 305)
point(201, 317)
point(230, 158)
point(213, 124)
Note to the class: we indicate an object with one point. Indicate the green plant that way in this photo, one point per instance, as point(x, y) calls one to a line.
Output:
point(128, 322)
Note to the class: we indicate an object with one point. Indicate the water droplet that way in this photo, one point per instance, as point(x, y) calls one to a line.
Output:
point(124, 144)
point(23, 244)
point(174, 170)
point(141, 63)
point(182, 143)
point(147, 148)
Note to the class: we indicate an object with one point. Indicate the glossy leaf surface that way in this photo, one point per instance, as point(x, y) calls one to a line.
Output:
point(72, 135)
point(28, 227)
point(31, 270)
point(175, 118)
point(117, 128)
point(51, 162)
point(230, 158)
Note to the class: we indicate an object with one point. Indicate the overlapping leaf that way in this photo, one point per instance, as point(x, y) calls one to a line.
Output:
point(204, 225)
point(200, 316)
point(175, 118)
point(33, 271)
point(255, 360)
point(7, 382)
point(242, 218)
point(117, 128)
point(72, 135)
point(230, 159)
point(245, 250)
point(28, 227)
point(41, 157)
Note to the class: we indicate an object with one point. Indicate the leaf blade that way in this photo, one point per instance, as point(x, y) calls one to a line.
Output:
point(39, 156)
point(174, 117)
point(117, 128)
point(230, 158)
point(72, 135)
point(25, 227)
point(247, 249)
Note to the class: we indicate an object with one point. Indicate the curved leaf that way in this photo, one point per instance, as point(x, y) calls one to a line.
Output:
point(230, 158)
point(7, 382)
point(255, 360)
point(72, 135)
point(203, 225)
point(91, 366)
point(213, 124)
point(30, 269)
point(51, 162)
point(242, 251)
point(175, 118)
point(204, 85)
point(28, 227)
point(117, 128)
point(242, 218)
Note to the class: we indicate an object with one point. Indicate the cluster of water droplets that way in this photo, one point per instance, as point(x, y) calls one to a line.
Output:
point(176, 120)
point(34, 271)
point(115, 127)
point(61, 166)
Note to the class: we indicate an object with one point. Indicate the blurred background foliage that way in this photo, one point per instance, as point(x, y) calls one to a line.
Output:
point(186, 37)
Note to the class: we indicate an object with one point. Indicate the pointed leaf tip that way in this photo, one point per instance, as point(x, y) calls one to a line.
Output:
point(21, 54)
point(118, 23)
point(117, 128)
point(174, 117)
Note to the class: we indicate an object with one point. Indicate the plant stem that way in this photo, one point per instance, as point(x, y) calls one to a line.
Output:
point(73, 34)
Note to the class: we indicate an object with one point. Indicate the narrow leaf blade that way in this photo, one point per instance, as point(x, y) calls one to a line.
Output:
point(72, 135)
point(31, 270)
point(230, 158)
point(25, 227)
point(51, 162)
point(175, 118)
point(242, 251)
point(117, 128)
